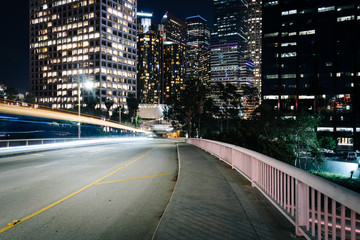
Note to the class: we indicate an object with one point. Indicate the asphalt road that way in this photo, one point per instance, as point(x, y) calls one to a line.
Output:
point(112, 191)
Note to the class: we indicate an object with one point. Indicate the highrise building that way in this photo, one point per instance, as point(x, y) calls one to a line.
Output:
point(149, 64)
point(311, 62)
point(254, 38)
point(174, 29)
point(174, 35)
point(229, 41)
point(197, 49)
point(144, 22)
point(74, 42)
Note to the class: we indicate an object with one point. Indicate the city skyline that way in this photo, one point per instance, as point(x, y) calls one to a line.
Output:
point(15, 49)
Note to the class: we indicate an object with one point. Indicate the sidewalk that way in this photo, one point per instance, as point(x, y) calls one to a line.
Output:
point(212, 201)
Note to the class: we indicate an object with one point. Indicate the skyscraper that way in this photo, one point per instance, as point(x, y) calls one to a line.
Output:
point(174, 35)
point(197, 49)
point(254, 38)
point(149, 64)
point(311, 62)
point(229, 63)
point(174, 29)
point(76, 42)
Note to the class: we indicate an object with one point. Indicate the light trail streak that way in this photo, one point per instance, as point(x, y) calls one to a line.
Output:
point(61, 115)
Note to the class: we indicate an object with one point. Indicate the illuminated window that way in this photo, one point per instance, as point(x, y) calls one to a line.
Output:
point(326, 9)
point(307, 32)
point(290, 12)
point(289, 54)
point(272, 3)
point(346, 18)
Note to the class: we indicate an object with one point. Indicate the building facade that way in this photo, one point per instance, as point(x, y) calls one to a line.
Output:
point(174, 48)
point(77, 42)
point(229, 45)
point(149, 64)
point(311, 62)
point(254, 38)
point(197, 49)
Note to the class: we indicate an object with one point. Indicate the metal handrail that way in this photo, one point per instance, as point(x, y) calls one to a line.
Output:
point(318, 208)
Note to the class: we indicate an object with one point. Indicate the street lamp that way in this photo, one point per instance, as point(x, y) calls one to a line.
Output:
point(88, 85)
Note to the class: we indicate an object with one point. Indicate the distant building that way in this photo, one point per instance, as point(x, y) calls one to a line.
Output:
point(311, 62)
point(174, 69)
point(229, 42)
point(174, 29)
point(197, 49)
point(254, 38)
point(153, 120)
point(149, 63)
point(174, 35)
point(144, 22)
point(74, 43)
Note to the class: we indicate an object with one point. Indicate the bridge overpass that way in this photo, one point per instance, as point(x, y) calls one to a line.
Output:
point(35, 110)
point(164, 189)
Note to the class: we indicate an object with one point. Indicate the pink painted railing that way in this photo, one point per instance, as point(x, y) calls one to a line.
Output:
point(318, 208)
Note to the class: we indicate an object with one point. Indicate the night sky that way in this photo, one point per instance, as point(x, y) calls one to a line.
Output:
point(14, 39)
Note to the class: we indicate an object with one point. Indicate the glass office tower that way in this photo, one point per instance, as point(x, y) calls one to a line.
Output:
point(229, 45)
point(197, 49)
point(174, 35)
point(79, 43)
point(311, 62)
point(149, 62)
point(254, 38)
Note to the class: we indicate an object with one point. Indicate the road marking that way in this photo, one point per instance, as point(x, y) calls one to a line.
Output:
point(11, 225)
point(46, 165)
point(131, 179)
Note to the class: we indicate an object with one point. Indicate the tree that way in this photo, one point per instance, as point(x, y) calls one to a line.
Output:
point(298, 132)
point(186, 109)
point(108, 104)
point(116, 115)
point(91, 102)
point(251, 97)
point(11, 93)
point(133, 106)
point(29, 98)
point(301, 135)
point(229, 104)
point(327, 143)
point(2, 90)
point(266, 121)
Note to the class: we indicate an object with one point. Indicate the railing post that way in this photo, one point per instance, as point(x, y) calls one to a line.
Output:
point(232, 158)
point(254, 171)
point(302, 207)
point(8, 144)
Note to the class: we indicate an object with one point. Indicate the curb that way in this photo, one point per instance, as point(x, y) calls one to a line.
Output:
point(172, 195)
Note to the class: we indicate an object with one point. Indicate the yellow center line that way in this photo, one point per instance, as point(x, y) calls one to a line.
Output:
point(135, 178)
point(17, 222)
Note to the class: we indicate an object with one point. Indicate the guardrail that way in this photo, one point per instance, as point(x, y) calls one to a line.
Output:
point(316, 207)
point(26, 142)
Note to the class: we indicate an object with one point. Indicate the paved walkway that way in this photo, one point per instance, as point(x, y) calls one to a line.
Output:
point(211, 201)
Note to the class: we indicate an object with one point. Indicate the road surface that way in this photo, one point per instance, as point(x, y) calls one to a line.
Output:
point(112, 191)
